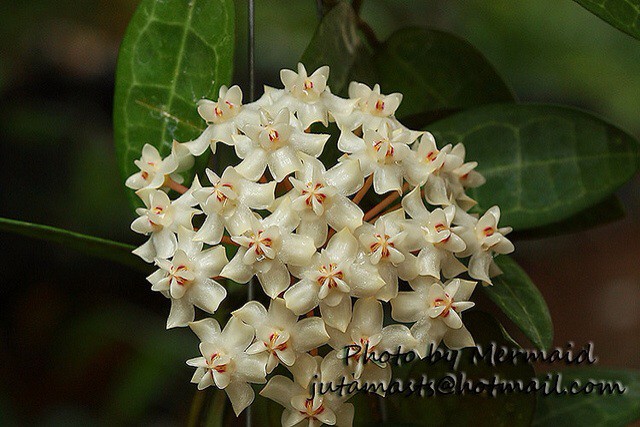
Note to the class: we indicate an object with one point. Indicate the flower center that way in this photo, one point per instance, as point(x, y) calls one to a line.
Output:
point(314, 191)
point(177, 273)
point(446, 302)
point(308, 85)
point(273, 135)
point(488, 231)
point(215, 363)
point(309, 411)
point(220, 196)
point(379, 105)
point(378, 146)
point(273, 345)
point(382, 244)
point(329, 275)
point(260, 245)
point(431, 156)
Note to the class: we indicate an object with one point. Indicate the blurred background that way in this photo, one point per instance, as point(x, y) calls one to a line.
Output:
point(83, 340)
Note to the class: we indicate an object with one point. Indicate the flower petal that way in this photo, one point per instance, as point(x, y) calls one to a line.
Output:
point(302, 297)
point(275, 280)
point(309, 333)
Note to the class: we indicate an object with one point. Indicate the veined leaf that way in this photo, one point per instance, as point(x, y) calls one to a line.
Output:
point(90, 245)
point(543, 164)
point(592, 409)
point(516, 295)
point(622, 14)
point(174, 52)
point(607, 211)
point(435, 70)
point(336, 43)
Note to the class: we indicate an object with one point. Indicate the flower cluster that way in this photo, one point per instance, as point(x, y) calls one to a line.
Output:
point(326, 264)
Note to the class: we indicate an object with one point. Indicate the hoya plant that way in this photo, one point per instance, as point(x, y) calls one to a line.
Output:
point(336, 228)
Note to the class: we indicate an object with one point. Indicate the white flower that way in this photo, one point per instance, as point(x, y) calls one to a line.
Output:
point(484, 239)
point(382, 242)
point(436, 311)
point(222, 117)
point(267, 248)
point(304, 409)
point(427, 160)
point(228, 203)
point(319, 198)
point(162, 218)
point(308, 97)
point(365, 339)
point(463, 177)
point(279, 333)
point(330, 278)
point(372, 108)
point(188, 279)
point(275, 142)
point(224, 362)
point(154, 170)
point(381, 153)
point(466, 173)
point(435, 237)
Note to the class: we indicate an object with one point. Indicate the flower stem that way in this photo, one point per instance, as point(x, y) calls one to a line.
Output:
point(365, 187)
point(175, 186)
point(384, 203)
point(391, 209)
point(227, 240)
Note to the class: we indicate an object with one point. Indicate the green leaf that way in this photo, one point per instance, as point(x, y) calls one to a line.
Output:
point(592, 409)
point(605, 212)
point(543, 163)
point(90, 245)
point(174, 53)
point(336, 43)
point(622, 14)
point(514, 409)
point(435, 70)
point(516, 295)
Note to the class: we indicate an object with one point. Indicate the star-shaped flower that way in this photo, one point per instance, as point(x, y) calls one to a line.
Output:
point(436, 310)
point(275, 142)
point(154, 170)
point(224, 361)
point(383, 244)
point(435, 238)
point(162, 218)
point(330, 278)
point(372, 108)
point(484, 239)
point(319, 196)
point(228, 203)
point(267, 248)
point(223, 118)
point(279, 333)
point(187, 279)
point(381, 153)
point(365, 339)
point(308, 96)
point(304, 409)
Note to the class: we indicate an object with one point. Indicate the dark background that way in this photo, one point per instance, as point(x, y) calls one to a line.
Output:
point(83, 340)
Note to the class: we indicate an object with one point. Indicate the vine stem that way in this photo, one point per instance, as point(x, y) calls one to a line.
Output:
point(251, 17)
